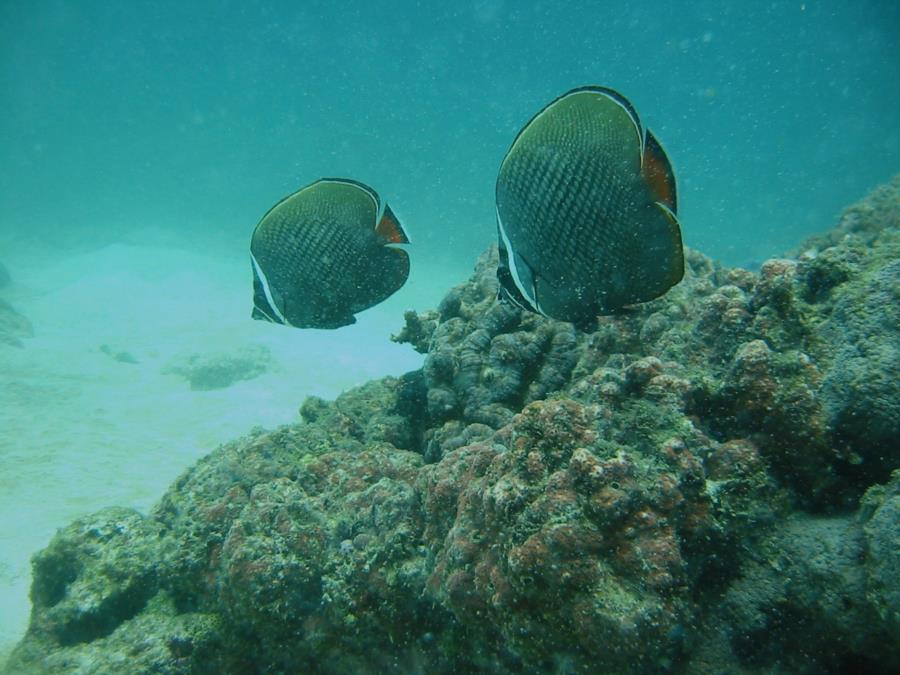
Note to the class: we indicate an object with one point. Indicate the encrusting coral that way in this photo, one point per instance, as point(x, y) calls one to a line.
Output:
point(703, 483)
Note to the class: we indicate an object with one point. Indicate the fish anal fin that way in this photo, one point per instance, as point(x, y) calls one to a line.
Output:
point(658, 174)
point(515, 275)
point(676, 272)
point(390, 229)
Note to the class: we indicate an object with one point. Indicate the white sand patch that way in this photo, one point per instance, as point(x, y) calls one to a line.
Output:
point(80, 430)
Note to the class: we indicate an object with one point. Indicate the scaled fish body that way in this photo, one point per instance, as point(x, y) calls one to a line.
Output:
point(324, 253)
point(586, 210)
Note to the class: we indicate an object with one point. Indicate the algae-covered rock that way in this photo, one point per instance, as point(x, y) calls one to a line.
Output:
point(218, 371)
point(798, 606)
point(585, 562)
point(118, 355)
point(700, 485)
point(286, 535)
point(95, 574)
point(390, 410)
point(830, 584)
point(881, 515)
point(860, 390)
point(161, 639)
point(96, 595)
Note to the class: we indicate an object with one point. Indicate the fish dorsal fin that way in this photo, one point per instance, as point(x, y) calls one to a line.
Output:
point(622, 102)
point(390, 229)
point(387, 225)
point(658, 174)
point(596, 92)
point(347, 191)
point(352, 183)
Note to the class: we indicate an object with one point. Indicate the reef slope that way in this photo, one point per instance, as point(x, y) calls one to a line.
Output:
point(705, 484)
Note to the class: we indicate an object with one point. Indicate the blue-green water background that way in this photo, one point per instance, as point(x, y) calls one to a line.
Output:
point(196, 116)
point(141, 141)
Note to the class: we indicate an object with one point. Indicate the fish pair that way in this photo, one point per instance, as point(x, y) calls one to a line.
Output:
point(586, 222)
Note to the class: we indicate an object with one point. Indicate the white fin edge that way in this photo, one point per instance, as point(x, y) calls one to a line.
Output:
point(379, 205)
point(265, 284)
point(400, 221)
point(628, 111)
point(669, 212)
point(531, 297)
point(639, 132)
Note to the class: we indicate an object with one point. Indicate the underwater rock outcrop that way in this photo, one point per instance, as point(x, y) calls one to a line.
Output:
point(828, 583)
point(205, 372)
point(707, 483)
point(13, 326)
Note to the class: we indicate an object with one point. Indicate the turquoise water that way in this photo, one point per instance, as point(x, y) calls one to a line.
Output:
point(200, 115)
point(141, 142)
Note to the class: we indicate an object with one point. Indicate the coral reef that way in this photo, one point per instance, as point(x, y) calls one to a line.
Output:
point(706, 483)
point(801, 358)
point(205, 372)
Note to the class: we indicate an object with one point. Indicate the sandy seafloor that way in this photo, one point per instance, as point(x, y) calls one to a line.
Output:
point(80, 430)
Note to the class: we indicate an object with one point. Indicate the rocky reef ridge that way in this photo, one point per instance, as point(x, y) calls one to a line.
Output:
point(707, 483)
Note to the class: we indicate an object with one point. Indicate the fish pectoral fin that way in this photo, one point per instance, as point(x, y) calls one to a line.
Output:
point(677, 267)
point(657, 172)
point(390, 229)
